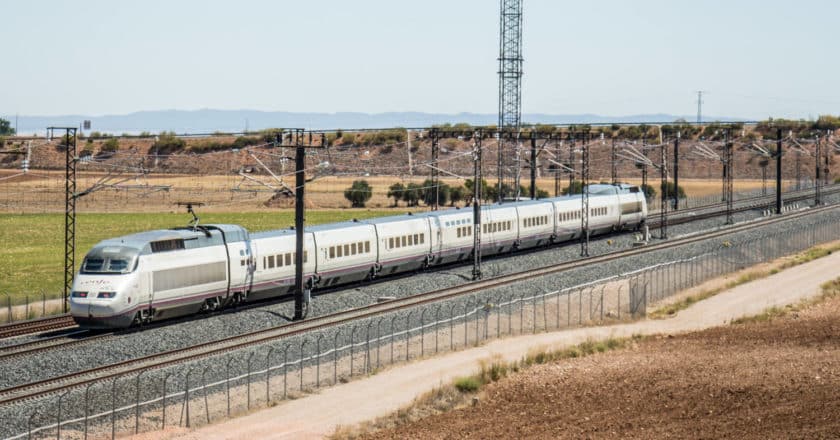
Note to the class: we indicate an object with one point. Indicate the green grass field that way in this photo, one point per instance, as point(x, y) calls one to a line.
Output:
point(32, 245)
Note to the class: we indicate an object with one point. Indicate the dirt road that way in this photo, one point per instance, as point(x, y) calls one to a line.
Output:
point(318, 415)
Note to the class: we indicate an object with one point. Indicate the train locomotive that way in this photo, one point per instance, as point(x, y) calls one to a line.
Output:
point(163, 274)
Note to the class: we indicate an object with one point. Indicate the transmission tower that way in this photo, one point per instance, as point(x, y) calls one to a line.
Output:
point(700, 105)
point(510, 93)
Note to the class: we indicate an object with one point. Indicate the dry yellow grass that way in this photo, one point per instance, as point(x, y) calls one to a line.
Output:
point(43, 191)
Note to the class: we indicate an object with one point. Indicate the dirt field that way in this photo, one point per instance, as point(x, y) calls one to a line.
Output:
point(776, 379)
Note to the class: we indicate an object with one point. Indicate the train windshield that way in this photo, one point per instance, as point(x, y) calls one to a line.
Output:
point(110, 260)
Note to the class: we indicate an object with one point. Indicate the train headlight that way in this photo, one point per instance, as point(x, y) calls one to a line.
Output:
point(75, 294)
point(107, 295)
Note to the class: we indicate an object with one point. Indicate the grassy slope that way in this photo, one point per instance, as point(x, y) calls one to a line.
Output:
point(31, 254)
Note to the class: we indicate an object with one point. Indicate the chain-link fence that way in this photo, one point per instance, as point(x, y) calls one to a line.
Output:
point(222, 386)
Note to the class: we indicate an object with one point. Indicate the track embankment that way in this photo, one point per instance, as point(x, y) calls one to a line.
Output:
point(352, 403)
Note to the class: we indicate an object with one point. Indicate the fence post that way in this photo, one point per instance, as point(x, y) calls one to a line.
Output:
point(602, 301)
point(335, 357)
point(422, 332)
point(451, 327)
point(367, 348)
point(466, 333)
point(250, 357)
point(187, 394)
point(137, 402)
point(352, 338)
point(379, 340)
point(58, 423)
point(408, 335)
point(437, 324)
point(393, 335)
point(29, 424)
point(318, 361)
point(114, 408)
point(87, 409)
point(227, 382)
point(165, 378)
point(285, 369)
point(300, 365)
point(268, 375)
point(204, 391)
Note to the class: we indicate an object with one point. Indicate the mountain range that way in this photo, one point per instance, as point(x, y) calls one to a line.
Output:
point(234, 121)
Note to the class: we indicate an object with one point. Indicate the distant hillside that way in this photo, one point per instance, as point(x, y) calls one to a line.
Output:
point(208, 121)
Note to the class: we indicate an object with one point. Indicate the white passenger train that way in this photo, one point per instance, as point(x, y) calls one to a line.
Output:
point(167, 273)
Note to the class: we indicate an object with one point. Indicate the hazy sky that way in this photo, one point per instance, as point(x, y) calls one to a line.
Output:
point(610, 57)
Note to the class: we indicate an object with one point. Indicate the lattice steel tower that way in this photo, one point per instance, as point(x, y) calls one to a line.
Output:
point(510, 94)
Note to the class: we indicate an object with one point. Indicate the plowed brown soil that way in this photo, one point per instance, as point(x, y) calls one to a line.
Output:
point(776, 379)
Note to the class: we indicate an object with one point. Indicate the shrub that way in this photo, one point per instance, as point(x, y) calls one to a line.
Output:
point(430, 194)
point(577, 188)
point(412, 194)
point(396, 191)
point(457, 194)
point(467, 384)
point(348, 139)
point(270, 134)
point(6, 127)
point(358, 193)
point(649, 191)
point(670, 190)
point(245, 141)
point(168, 143)
point(110, 145)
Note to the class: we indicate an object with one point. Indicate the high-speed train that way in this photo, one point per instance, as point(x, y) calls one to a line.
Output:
point(163, 274)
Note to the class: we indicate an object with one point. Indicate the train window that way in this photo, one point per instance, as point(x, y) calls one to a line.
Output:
point(271, 261)
point(353, 248)
point(416, 239)
point(289, 259)
point(265, 262)
point(332, 251)
point(403, 240)
point(338, 251)
point(367, 246)
point(390, 242)
point(346, 250)
point(422, 238)
point(459, 232)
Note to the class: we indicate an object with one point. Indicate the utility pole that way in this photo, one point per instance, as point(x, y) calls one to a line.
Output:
point(614, 163)
point(663, 176)
point(476, 273)
point(533, 164)
point(817, 179)
point(435, 170)
point(300, 182)
point(677, 172)
point(584, 198)
point(557, 150)
point(572, 140)
point(700, 106)
point(408, 143)
point(728, 177)
point(70, 196)
point(778, 171)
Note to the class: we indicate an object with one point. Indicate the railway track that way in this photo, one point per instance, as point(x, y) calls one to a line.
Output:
point(36, 326)
point(159, 360)
point(44, 344)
